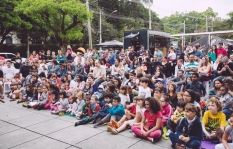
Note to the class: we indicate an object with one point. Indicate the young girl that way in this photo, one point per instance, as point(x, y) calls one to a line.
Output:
point(152, 129)
point(53, 97)
point(36, 97)
point(173, 96)
point(166, 108)
point(180, 96)
point(43, 99)
point(227, 101)
point(80, 104)
point(124, 95)
point(212, 54)
point(212, 119)
point(62, 104)
point(189, 131)
point(28, 95)
point(228, 133)
point(72, 104)
point(158, 93)
point(188, 79)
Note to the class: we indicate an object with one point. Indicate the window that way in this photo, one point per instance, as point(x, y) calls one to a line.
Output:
point(3, 55)
point(10, 56)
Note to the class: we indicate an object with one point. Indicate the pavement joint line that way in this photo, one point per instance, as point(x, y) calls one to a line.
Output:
point(25, 142)
point(41, 135)
point(134, 143)
point(72, 146)
point(90, 137)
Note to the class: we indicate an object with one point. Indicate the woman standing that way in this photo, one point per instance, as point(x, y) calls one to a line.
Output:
point(95, 55)
point(212, 53)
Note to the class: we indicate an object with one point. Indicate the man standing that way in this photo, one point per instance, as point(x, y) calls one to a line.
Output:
point(158, 53)
point(25, 69)
point(99, 72)
point(112, 56)
point(221, 50)
point(191, 66)
point(17, 60)
point(8, 72)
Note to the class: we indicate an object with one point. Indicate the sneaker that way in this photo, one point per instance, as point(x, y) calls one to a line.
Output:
point(113, 130)
point(115, 124)
point(97, 124)
point(76, 124)
point(168, 132)
point(109, 129)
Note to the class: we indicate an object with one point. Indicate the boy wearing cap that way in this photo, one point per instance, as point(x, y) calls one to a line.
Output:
point(160, 83)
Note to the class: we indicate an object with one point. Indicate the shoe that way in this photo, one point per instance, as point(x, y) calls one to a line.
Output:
point(109, 129)
point(97, 124)
point(115, 124)
point(25, 104)
point(168, 132)
point(29, 106)
point(113, 130)
point(61, 113)
point(12, 100)
point(19, 101)
point(76, 124)
point(94, 121)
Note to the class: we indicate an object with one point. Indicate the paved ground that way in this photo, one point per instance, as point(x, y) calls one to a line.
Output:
point(22, 128)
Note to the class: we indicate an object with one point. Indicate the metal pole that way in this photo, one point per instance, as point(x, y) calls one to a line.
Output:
point(184, 33)
point(100, 41)
point(196, 29)
point(206, 24)
point(149, 16)
point(89, 27)
point(212, 25)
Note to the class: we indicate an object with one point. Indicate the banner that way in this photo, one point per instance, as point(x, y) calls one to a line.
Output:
point(203, 41)
point(215, 40)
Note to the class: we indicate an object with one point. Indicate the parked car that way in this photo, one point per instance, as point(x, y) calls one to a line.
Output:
point(9, 56)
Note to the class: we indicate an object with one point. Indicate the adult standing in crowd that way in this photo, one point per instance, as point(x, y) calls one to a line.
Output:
point(158, 53)
point(17, 61)
point(221, 50)
point(25, 69)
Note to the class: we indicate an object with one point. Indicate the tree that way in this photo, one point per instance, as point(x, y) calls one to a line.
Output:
point(10, 20)
point(63, 19)
point(230, 21)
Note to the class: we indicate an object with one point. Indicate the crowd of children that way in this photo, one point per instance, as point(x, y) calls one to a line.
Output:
point(152, 107)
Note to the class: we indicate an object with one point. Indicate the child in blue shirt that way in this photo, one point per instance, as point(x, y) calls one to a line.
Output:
point(116, 111)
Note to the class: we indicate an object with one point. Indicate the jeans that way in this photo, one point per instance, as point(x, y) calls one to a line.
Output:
point(190, 144)
point(93, 117)
point(227, 112)
point(178, 87)
point(109, 117)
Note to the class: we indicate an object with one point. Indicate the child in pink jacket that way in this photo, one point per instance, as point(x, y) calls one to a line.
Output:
point(166, 108)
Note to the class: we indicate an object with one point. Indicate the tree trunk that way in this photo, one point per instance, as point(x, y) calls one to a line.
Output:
point(28, 45)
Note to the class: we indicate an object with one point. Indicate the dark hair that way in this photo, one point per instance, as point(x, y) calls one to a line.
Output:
point(159, 89)
point(117, 98)
point(192, 94)
point(119, 82)
point(153, 103)
point(127, 75)
point(54, 87)
point(16, 53)
point(139, 75)
point(109, 95)
point(195, 74)
point(55, 62)
point(63, 93)
point(80, 77)
point(181, 71)
point(181, 104)
point(191, 107)
point(111, 87)
point(225, 88)
point(144, 80)
point(124, 87)
point(166, 98)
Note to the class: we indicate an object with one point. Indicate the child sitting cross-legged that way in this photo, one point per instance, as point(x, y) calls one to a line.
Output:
point(214, 120)
point(189, 131)
point(120, 126)
point(101, 113)
point(151, 124)
point(176, 117)
point(115, 109)
point(62, 104)
point(72, 104)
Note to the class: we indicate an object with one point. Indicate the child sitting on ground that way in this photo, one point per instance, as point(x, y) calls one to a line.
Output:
point(189, 130)
point(80, 104)
point(124, 94)
point(100, 92)
point(213, 118)
point(227, 102)
point(143, 89)
point(151, 124)
point(115, 109)
point(176, 117)
point(62, 104)
point(101, 113)
point(72, 104)
point(228, 135)
point(43, 99)
point(166, 108)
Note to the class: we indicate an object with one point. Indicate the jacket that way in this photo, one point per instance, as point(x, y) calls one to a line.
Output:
point(117, 110)
point(194, 131)
point(197, 87)
point(61, 59)
point(104, 109)
point(56, 69)
point(178, 81)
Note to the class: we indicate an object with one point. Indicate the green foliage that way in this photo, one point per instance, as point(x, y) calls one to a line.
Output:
point(63, 19)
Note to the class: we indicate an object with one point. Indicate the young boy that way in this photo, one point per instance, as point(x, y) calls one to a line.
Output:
point(144, 90)
point(227, 102)
point(100, 92)
point(116, 111)
point(101, 113)
point(160, 84)
point(176, 117)
point(213, 118)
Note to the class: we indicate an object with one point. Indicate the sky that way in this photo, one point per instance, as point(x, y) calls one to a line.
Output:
point(167, 7)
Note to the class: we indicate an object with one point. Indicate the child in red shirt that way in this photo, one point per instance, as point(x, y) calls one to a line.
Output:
point(152, 129)
point(166, 108)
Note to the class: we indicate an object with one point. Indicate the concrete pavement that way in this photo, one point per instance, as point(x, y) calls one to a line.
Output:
point(22, 128)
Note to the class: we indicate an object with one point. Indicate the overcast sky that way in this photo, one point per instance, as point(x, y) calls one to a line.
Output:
point(168, 7)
